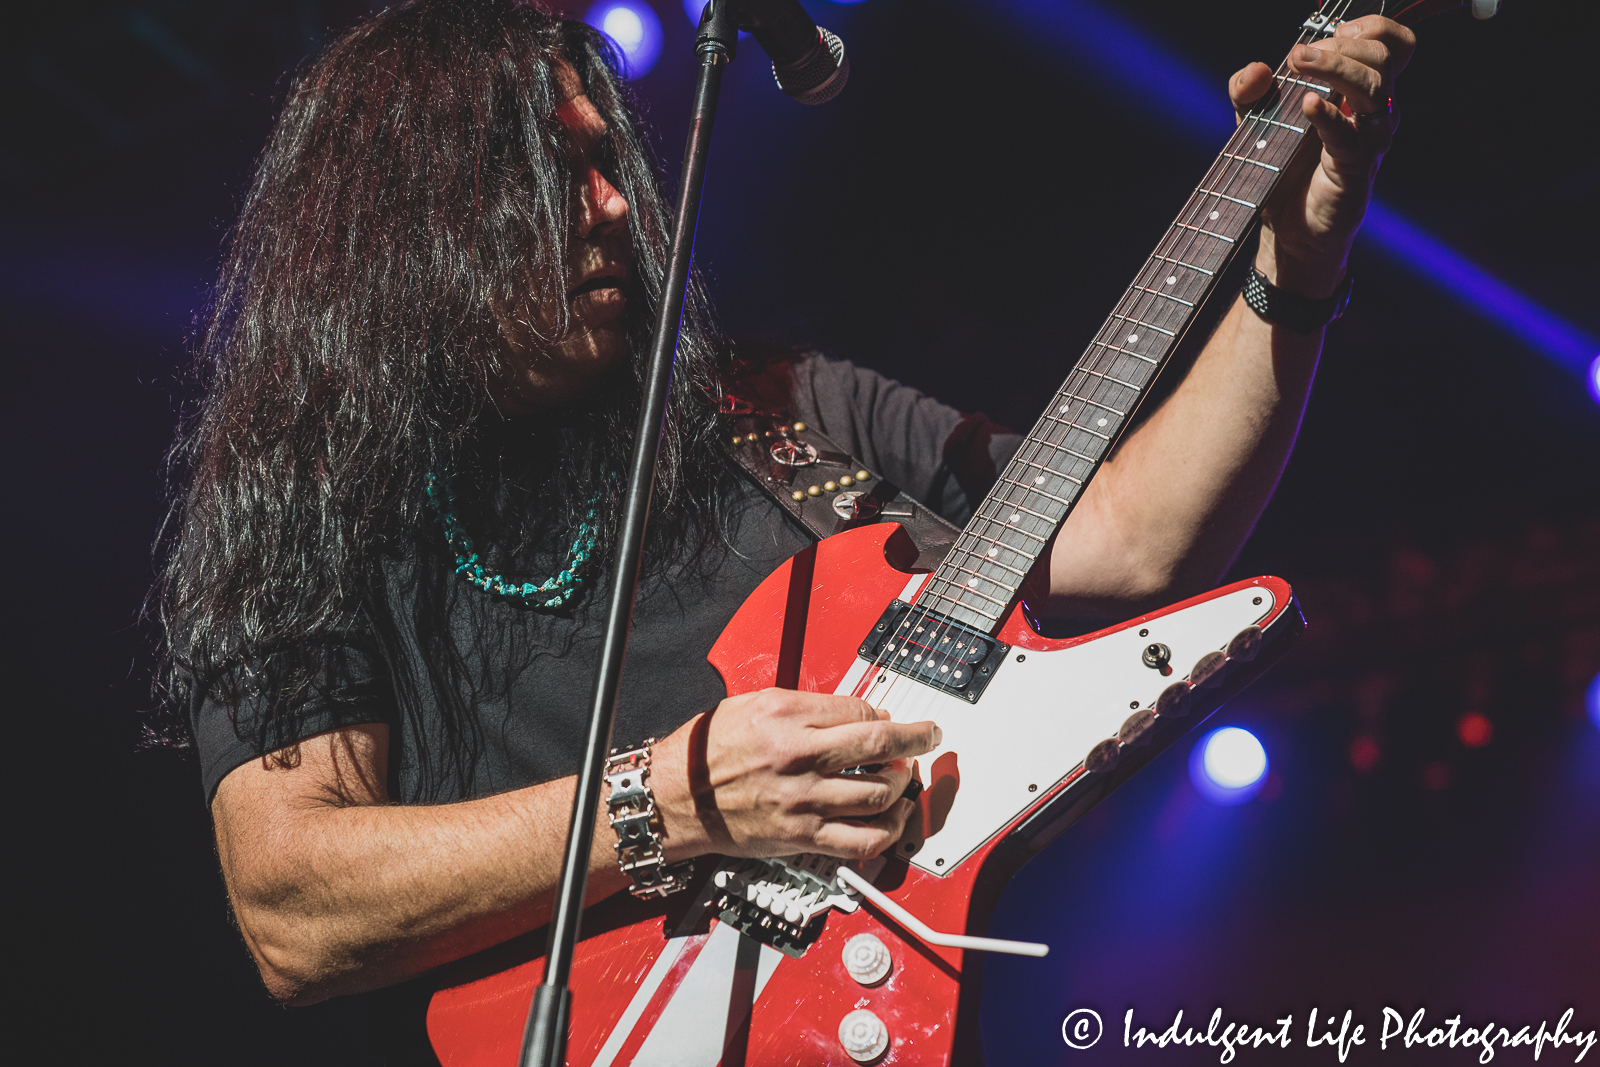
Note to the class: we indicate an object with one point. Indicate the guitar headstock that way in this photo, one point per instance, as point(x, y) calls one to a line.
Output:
point(1407, 12)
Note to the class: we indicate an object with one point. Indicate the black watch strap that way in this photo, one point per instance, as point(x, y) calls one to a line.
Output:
point(1298, 313)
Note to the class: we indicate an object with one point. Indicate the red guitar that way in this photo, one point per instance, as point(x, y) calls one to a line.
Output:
point(803, 961)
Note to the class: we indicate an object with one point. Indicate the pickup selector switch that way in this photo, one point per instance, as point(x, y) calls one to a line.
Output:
point(1157, 656)
point(867, 959)
point(863, 1035)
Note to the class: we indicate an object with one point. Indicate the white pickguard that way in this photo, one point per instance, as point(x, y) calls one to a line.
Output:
point(1043, 712)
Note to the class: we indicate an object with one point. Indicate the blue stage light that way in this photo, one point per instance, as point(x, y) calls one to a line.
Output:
point(1106, 48)
point(1489, 296)
point(635, 29)
point(694, 8)
point(1594, 701)
point(1594, 378)
point(1228, 766)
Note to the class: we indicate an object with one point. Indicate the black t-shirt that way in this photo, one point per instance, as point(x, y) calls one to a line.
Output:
point(525, 677)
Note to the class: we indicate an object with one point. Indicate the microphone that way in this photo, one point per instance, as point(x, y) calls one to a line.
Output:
point(808, 61)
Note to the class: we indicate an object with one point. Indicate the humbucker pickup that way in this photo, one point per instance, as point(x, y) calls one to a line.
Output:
point(934, 650)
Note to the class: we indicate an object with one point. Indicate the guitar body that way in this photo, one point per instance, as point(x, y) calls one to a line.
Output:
point(771, 962)
point(671, 983)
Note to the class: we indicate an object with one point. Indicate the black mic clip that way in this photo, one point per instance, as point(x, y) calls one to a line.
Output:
point(808, 62)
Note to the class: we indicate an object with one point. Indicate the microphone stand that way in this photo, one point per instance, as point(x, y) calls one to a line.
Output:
point(544, 1040)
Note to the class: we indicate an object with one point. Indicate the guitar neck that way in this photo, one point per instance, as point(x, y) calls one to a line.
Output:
point(978, 579)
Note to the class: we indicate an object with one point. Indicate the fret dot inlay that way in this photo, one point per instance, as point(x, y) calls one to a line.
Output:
point(1045, 479)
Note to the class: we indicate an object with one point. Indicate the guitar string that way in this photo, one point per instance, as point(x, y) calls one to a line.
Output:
point(1137, 307)
point(1218, 178)
point(1256, 121)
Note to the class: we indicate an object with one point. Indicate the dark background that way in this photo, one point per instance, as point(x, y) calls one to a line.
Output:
point(961, 219)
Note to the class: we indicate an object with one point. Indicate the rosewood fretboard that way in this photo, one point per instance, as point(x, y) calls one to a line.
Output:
point(1038, 488)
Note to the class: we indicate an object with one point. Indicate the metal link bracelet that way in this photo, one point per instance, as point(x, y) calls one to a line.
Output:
point(631, 810)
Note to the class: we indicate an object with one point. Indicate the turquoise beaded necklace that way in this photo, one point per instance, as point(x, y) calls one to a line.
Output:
point(553, 592)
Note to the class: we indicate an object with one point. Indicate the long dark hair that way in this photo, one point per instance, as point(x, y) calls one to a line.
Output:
point(414, 178)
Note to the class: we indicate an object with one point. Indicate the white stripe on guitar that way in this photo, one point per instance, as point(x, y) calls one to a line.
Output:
point(689, 1032)
point(640, 1001)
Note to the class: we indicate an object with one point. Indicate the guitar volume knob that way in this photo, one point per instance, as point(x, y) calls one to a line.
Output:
point(863, 1035)
point(867, 959)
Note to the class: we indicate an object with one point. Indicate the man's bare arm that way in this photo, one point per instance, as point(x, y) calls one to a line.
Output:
point(337, 890)
point(1175, 503)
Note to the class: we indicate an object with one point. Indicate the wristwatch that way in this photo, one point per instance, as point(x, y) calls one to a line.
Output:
point(631, 810)
point(1298, 313)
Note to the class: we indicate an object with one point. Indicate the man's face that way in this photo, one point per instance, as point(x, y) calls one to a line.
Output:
point(598, 268)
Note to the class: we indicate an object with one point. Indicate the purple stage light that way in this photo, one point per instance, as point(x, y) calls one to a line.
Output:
point(1594, 378)
point(1228, 766)
point(1103, 45)
point(694, 9)
point(1594, 701)
point(635, 29)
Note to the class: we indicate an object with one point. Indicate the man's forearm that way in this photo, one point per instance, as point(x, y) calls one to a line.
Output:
point(336, 897)
point(1176, 501)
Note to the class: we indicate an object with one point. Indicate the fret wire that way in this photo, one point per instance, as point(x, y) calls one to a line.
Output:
point(980, 574)
point(970, 589)
point(1308, 85)
point(1177, 242)
point(1048, 470)
point(1097, 403)
point(973, 544)
point(1008, 526)
point(1167, 296)
point(1208, 233)
point(1068, 422)
point(928, 595)
point(1247, 159)
point(1228, 180)
point(1109, 378)
point(1132, 306)
point(1064, 448)
point(1127, 352)
point(1035, 489)
point(1140, 322)
point(1069, 391)
point(1235, 180)
point(1032, 487)
point(1181, 263)
point(984, 557)
point(1225, 196)
point(1030, 511)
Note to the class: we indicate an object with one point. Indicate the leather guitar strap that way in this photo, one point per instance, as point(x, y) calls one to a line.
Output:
point(821, 486)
